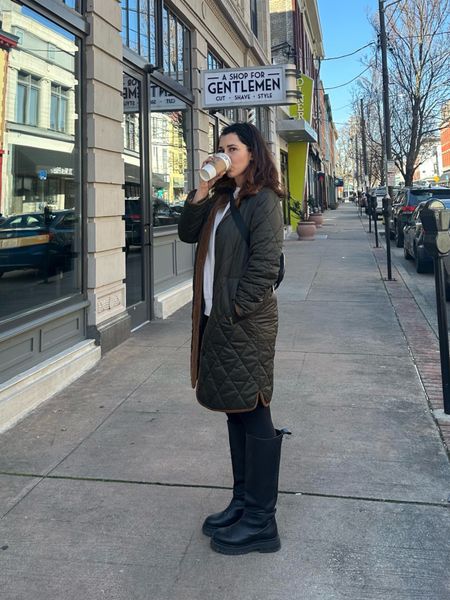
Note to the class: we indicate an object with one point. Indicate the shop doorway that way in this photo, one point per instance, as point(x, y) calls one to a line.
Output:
point(137, 203)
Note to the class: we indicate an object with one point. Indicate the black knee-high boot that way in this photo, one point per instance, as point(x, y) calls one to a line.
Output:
point(257, 528)
point(234, 511)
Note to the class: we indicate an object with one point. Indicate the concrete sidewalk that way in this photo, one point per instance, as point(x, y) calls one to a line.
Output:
point(104, 488)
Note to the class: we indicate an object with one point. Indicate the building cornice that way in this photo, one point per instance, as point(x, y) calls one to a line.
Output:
point(7, 40)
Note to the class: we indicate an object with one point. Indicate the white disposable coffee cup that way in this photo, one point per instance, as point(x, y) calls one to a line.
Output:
point(219, 165)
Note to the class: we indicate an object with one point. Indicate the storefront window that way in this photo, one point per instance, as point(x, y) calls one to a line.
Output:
point(171, 151)
point(139, 27)
point(176, 48)
point(40, 220)
point(27, 99)
point(134, 201)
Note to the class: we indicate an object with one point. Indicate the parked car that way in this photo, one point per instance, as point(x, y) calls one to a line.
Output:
point(413, 246)
point(40, 246)
point(164, 214)
point(405, 203)
point(133, 212)
point(23, 220)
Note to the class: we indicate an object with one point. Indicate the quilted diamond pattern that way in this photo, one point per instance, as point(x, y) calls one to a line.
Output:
point(237, 353)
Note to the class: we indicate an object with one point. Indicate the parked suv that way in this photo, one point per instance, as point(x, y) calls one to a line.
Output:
point(405, 203)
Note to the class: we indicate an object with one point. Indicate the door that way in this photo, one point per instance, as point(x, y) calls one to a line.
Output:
point(136, 187)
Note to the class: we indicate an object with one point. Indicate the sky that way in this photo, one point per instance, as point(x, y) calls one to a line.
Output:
point(345, 28)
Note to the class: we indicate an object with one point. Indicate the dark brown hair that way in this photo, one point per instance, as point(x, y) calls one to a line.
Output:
point(261, 172)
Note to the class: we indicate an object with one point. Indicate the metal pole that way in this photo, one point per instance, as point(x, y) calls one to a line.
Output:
point(387, 133)
point(443, 331)
point(364, 147)
point(375, 226)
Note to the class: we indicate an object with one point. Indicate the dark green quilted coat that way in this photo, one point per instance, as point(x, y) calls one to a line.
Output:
point(232, 363)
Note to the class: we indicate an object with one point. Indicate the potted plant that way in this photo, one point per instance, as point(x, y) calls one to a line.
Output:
point(315, 215)
point(306, 229)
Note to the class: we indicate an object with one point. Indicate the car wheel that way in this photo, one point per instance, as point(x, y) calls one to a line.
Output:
point(398, 237)
point(421, 266)
point(2, 273)
point(406, 253)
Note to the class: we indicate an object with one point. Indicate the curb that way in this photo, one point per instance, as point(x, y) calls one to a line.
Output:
point(422, 341)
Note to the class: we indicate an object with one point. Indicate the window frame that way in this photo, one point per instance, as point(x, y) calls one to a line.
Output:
point(61, 94)
point(74, 23)
point(25, 81)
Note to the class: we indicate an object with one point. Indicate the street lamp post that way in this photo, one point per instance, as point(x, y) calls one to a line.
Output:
point(387, 200)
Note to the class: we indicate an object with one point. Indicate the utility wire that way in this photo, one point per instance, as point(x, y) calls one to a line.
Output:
point(350, 53)
point(348, 82)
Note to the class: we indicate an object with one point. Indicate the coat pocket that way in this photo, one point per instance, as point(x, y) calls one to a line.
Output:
point(232, 285)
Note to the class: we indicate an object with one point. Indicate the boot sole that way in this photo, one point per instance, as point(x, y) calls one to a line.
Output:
point(209, 531)
point(263, 546)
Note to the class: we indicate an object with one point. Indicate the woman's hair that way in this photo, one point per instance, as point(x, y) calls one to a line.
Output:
point(261, 171)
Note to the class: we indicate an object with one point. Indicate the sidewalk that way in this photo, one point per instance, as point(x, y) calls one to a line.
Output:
point(104, 488)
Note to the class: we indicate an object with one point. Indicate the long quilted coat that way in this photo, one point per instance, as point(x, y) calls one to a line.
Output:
point(232, 359)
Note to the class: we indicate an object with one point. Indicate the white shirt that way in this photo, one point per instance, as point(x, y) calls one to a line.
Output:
point(208, 271)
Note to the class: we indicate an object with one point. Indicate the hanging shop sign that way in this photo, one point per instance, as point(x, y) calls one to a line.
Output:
point(252, 86)
point(303, 104)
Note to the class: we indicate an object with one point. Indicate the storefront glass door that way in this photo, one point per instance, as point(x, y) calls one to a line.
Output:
point(137, 229)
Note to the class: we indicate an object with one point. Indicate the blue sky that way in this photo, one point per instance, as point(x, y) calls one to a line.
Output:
point(345, 27)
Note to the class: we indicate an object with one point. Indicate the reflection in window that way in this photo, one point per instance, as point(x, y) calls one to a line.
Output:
point(170, 153)
point(27, 99)
point(176, 49)
point(133, 191)
point(40, 209)
point(139, 27)
point(58, 108)
point(131, 125)
point(213, 62)
point(75, 4)
point(254, 16)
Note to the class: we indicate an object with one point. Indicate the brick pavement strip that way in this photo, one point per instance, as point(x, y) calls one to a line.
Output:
point(422, 341)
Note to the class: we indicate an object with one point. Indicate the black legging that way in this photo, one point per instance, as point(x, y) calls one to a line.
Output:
point(257, 423)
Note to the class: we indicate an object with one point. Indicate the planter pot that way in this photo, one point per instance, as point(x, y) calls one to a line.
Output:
point(306, 230)
point(316, 218)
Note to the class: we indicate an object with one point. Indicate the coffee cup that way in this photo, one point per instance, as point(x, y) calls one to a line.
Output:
point(219, 164)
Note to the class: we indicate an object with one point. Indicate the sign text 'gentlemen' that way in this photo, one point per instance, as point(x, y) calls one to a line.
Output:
point(244, 87)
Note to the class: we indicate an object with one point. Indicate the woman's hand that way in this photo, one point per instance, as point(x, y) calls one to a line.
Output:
point(204, 186)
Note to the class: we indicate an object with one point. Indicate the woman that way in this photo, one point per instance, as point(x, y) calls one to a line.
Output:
point(234, 327)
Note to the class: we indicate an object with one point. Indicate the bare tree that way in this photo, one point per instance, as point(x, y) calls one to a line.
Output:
point(419, 50)
point(369, 90)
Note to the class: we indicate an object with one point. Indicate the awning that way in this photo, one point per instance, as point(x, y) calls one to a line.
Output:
point(296, 130)
point(29, 161)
